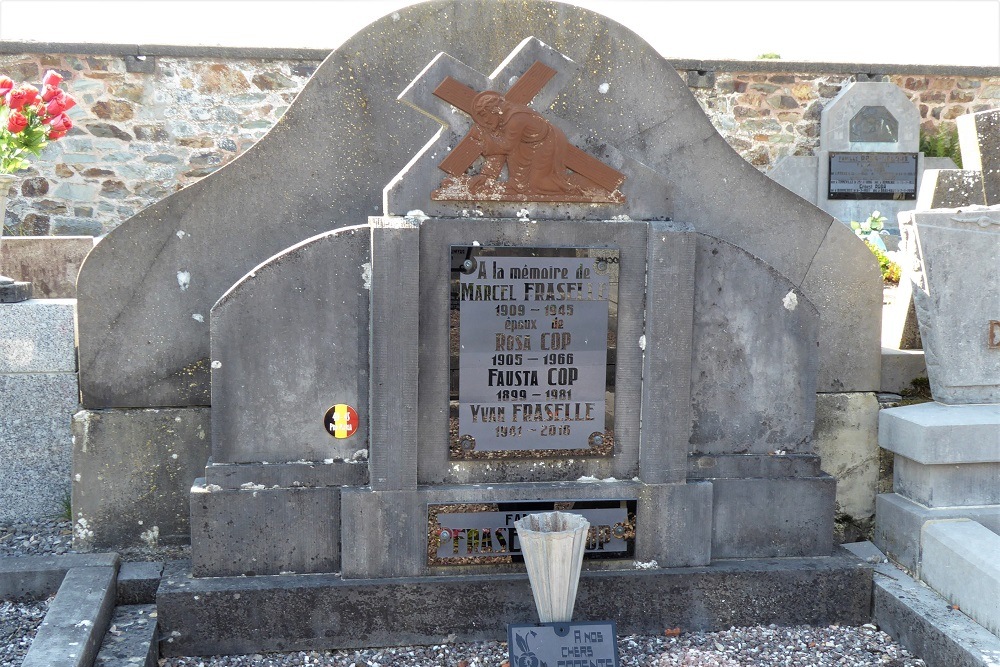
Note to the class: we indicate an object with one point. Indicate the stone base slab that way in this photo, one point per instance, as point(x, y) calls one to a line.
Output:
point(900, 368)
point(961, 560)
point(226, 615)
point(15, 292)
point(947, 485)
point(132, 475)
point(898, 521)
point(258, 530)
point(935, 433)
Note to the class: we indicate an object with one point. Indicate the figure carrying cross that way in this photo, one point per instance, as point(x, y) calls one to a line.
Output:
point(541, 163)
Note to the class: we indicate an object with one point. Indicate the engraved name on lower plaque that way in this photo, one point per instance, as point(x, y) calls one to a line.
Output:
point(531, 340)
point(873, 176)
point(466, 534)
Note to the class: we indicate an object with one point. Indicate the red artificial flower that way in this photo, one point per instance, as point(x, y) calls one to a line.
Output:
point(68, 102)
point(62, 124)
point(52, 78)
point(48, 92)
point(56, 135)
point(32, 93)
point(17, 98)
point(17, 122)
point(6, 85)
point(57, 104)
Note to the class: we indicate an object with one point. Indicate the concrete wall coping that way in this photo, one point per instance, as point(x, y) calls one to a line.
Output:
point(291, 53)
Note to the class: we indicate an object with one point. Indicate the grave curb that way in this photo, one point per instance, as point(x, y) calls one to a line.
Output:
point(229, 615)
point(41, 576)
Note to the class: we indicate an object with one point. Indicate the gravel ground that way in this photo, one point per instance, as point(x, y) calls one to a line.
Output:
point(18, 623)
point(737, 647)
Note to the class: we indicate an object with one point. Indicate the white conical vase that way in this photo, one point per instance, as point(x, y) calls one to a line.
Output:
point(552, 544)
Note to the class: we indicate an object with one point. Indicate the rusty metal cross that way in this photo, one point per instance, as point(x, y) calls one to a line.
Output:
point(523, 91)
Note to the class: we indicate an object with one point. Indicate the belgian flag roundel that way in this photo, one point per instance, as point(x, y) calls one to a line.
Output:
point(341, 421)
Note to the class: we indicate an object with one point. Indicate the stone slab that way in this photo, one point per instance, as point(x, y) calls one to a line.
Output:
point(290, 341)
point(135, 307)
point(924, 623)
point(50, 263)
point(132, 474)
point(898, 521)
point(960, 559)
point(78, 616)
point(257, 530)
point(950, 188)
point(666, 362)
point(37, 336)
point(767, 355)
point(132, 639)
point(137, 583)
point(772, 518)
point(328, 472)
point(936, 434)
point(738, 466)
point(676, 520)
point(947, 485)
point(979, 139)
point(40, 576)
point(846, 439)
point(256, 614)
point(956, 250)
point(15, 292)
point(900, 368)
point(36, 444)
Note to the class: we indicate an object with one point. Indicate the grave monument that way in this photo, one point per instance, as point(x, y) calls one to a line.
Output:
point(869, 157)
point(552, 304)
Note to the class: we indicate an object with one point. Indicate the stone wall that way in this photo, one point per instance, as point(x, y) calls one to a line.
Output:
point(152, 120)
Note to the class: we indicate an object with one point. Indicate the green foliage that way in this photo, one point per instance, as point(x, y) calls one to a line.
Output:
point(944, 143)
point(769, 56)
point(890, 270)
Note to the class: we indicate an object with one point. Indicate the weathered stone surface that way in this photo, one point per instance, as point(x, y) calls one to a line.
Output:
point(938, 434)
point(256, 530)
point(950, 188)
point(226, 615)
point(289, 341)
point(35, 443)
point(134, 643)
point(900, 368)
point(959, 560)
point(339, 185)
point(956, 250)
point(76, 621)
point(767, 355)
point(132, 474)
point(15, 292)
point(979, 137)
point(137, 583)
point(40, 576)
point(36, 336)
point(51, 263)
point(846, 439)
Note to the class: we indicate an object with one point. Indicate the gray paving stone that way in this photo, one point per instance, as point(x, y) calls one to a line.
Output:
point(36, 336)
point(131, 640)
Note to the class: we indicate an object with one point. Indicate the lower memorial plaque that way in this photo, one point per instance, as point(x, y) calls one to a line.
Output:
point(584, 644)
point(873, 176)
point(532, 333)
point(484, 533)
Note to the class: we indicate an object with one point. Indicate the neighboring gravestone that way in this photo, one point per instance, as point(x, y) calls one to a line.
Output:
point(868, 157)
point(50, 263)
point(946, 459)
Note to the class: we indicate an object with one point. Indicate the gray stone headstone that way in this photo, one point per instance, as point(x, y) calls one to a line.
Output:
point(139, 290)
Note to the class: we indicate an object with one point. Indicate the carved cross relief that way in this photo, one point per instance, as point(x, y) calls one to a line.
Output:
point(510, 152)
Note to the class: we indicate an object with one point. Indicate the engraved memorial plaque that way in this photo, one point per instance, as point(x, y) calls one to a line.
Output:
point(532, 330)
point(873, 176)
point(484, 533)
point(574, 644)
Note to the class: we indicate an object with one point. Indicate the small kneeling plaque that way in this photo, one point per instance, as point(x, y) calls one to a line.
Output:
point(585, 644)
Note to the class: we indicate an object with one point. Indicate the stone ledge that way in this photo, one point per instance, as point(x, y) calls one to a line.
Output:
point(40, 576)
point(935, 433)
point(959, 561)
point(256, 614)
